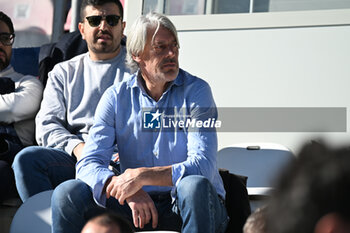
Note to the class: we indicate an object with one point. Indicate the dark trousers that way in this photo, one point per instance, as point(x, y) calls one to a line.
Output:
point(10, 145)
point(7, 182)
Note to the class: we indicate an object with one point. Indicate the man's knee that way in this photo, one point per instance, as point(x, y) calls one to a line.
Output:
point(192, 186)
point(71, 192)
point(25, 158)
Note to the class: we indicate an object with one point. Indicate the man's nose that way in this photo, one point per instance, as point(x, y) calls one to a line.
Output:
point(171, 50)
point(103, 24)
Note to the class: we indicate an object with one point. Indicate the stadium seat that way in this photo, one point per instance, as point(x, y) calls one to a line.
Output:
point(260, 162)
point(34, 215)
point(26, 60)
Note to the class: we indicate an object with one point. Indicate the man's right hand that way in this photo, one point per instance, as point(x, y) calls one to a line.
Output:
point(143, 209)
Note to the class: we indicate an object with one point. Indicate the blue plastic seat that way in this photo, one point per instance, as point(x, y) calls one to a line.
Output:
point(26, 60)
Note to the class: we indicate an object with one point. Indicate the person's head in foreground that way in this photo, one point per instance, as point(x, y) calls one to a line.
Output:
point(256, 222)
point(313, 194)
point(107, 222)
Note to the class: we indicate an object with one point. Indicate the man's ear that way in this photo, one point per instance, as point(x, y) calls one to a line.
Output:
point(81, 29)
point(136, 58)
point(331, 223)
point(123, 26)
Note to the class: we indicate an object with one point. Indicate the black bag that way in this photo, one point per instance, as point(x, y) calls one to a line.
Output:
point(236, 201)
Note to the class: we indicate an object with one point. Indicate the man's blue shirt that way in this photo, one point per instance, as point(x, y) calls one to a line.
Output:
point(128, 116)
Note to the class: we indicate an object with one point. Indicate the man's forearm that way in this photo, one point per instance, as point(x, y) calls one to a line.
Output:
point(78, 150)
point(132, 180)
point(156, 176)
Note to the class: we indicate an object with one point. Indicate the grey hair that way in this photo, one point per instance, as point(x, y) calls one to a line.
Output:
point(137, 36)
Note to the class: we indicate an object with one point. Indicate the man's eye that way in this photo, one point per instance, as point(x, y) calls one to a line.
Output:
point(6, 38)
point(160, 47)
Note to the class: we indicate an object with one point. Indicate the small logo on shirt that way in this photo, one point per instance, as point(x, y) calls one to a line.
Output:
point(152, 120)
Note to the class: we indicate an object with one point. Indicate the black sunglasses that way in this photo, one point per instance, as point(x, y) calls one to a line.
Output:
point(6, 38)
point(95, 20)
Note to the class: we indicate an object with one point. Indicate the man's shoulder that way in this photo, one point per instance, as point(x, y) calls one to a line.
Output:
point(68, 66)
point(196, 89)
point(127, 82)
point(122, 88)
point(63, 70)
point(191, 80)
point(73, 61)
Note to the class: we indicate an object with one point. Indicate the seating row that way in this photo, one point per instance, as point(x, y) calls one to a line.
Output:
point(260, 162)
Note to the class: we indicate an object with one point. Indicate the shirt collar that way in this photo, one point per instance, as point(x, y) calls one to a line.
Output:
point(179, 81)
point(120, 55)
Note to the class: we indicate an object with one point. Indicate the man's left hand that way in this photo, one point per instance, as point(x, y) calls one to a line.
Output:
point(143, 209)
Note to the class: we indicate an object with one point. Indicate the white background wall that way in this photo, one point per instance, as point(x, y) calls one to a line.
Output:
point(284, 67)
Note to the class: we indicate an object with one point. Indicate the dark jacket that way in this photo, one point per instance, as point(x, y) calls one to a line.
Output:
point(236, 201)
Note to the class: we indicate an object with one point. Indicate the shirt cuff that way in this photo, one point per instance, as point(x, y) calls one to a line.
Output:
point(72, 143)
point(98, 192)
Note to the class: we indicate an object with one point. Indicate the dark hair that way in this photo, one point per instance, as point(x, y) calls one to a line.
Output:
point(314, 185)
point(108, 218)
point(86, 3)
point(7, 20)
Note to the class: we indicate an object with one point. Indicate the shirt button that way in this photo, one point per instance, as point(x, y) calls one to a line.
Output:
point(155, 153)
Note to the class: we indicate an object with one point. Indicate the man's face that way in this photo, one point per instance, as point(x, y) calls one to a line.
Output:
point(103, 40)
point(159, 60)
point(5, 50)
